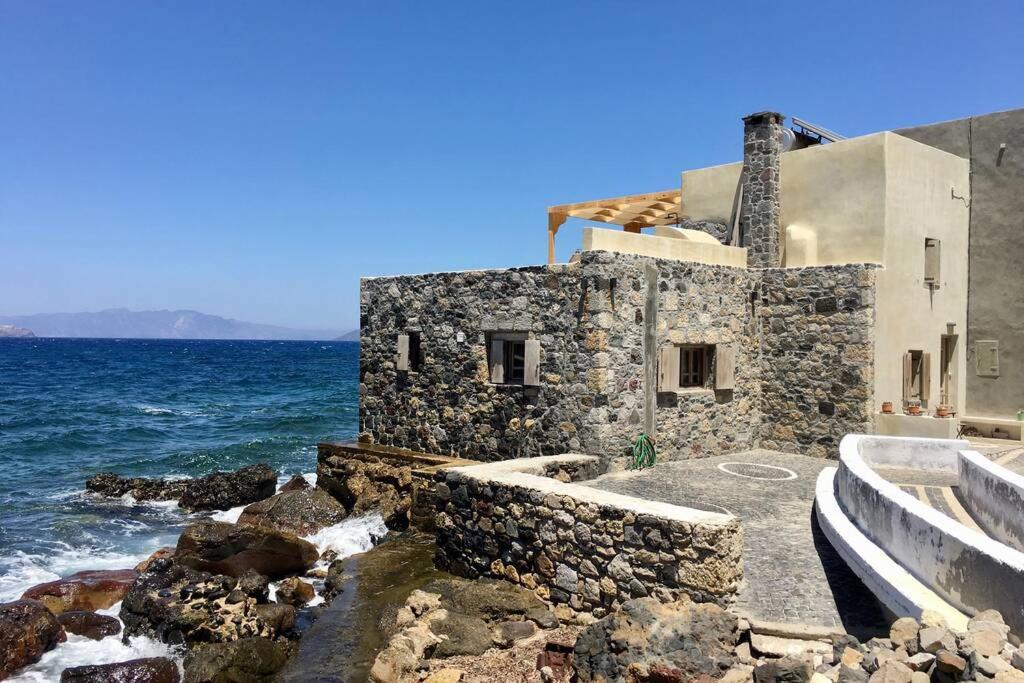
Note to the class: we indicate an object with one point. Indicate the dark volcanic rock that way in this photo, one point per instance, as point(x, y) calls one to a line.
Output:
point(225, 490)
point(232, 549)
point(88, 590)
point(295, 591)
point(686, 639)
point(148, 670)
point(27, 630)
point(164, 553)
point(255, 585)
point(141, 488)
point(89, 624)
point(249, 660)
point(177, 604)
point(296, 483)
point(280, 618)
point(296, 512)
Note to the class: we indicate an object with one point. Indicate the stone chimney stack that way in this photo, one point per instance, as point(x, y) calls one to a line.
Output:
point(760, 217)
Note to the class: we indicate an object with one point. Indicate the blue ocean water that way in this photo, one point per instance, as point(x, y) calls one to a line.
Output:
point(72, 407)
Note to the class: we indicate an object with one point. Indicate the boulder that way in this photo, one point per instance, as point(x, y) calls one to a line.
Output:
point(488, 599)
point(231, 549)
point(892, 672)
point(510, 631)
point(177, 604)
point(295, 591)
point(89, 624)
point(784, 670)
point(249, 660)
point(254, 585)
point(295, 512)
point(140, 488)
point(27, 630)
point(279, 618)
point(460, 634)
point(88, 590)
point(160, 554)
point(148, 670)
point(225, 490)
point(697, 639)
point(296, 483)
point(903, 633)
point(373, 487)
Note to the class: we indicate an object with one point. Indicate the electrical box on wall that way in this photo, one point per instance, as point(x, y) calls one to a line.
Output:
point(986, 357)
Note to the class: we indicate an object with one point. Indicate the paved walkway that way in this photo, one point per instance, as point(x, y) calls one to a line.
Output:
point(791, 572)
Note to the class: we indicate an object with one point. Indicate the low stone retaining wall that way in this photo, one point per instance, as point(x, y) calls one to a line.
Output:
point(965, 567)
point(589, 550)
point(994, 496)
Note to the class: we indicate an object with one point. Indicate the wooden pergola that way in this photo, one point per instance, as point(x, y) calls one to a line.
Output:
point(633, 212)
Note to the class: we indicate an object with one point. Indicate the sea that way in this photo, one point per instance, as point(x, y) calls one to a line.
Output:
point(70, 408)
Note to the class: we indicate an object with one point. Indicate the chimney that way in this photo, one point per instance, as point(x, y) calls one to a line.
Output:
point(760, 219)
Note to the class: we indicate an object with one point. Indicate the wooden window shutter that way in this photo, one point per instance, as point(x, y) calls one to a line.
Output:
point(497, 361)
point(932, 262)
point(725, 366)
point(908, 376)
point(668, 368)
point(531, 374)
point(926, 376)
point(402, 359)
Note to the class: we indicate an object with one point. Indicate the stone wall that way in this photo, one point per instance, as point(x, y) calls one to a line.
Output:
point(586, 549)
point(760, 212)
point(817, 351)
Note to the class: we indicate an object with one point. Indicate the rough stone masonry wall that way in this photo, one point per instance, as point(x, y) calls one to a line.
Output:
point(450, 406)
point(760, 212)
point(574, 550)
point(817, 350)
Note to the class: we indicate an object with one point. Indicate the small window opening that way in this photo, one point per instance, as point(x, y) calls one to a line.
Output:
point(694, 362)
point(507, 358)
point(415, 352)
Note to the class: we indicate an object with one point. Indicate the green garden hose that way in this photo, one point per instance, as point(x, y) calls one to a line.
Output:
point(643, 453)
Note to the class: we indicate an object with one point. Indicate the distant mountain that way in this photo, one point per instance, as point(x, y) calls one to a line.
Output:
point(125, 324)
point(15, 332)
point(349, 336)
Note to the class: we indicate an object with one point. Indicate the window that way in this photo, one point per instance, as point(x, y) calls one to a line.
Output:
point(693, 364)
point(697, 366)
point(514, 359)
point(917, 376)
point(415, 352)
point(932, 262)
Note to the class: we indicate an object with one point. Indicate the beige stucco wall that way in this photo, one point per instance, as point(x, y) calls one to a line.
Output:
point(619, 241)
point(921, 190)
point(872, 199)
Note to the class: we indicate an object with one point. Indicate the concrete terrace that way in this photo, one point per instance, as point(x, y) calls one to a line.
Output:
point(792, 575)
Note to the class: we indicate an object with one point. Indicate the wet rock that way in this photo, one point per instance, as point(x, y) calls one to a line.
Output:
point(335, 580)
point(27, 630)
point(88, 590)
point(296, 483)
point(161, 554)
point(784, 670)
point(697, 639)
point(279, 618)
point(148, 670)
point(140, 488)
point(295, 512)
point(232, 549)
point(225, 490)
point(295, 591)
point(365, 486)
point(177, 604)
point(254, 585)
point(249, 660)
point(89, 624)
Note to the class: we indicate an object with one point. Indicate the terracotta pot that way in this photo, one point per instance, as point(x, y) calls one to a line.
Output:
point(942, 411)
point(913, 410)
point(887, 407)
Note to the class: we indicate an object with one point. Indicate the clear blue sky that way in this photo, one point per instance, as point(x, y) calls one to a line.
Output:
point(254, 159)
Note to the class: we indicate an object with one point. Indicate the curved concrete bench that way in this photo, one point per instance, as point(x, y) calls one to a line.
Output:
point(964, 567)
point(994, 496)
point(893, 585)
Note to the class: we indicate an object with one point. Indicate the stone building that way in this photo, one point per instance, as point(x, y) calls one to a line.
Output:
point(775, 302)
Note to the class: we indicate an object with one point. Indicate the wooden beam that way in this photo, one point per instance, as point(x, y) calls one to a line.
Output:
point(555, 221)
point(668, 196)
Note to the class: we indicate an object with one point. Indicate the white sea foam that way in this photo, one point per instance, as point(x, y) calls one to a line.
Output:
point(230, 516)
point(283, 479)
point(81, 651)
point(354, 535)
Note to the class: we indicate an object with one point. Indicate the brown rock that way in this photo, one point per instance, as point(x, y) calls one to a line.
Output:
point(295, 512)
point(27, 630)
point(89, 624)
point(88, 590)
point(161, 554)
point(231, 549)
point(950, 663)
point(445, 676)
point(296, 483)
point(892, 672)
point(148, 670)
point(248, 660)
point(280, 618)
point(295, 591)
point(903, 633)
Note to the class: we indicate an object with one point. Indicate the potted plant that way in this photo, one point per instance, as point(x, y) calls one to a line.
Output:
point(942, 410)
point(913, 408)
point(887, 407)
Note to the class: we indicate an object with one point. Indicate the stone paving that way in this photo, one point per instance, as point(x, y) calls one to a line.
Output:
point(791, 572)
